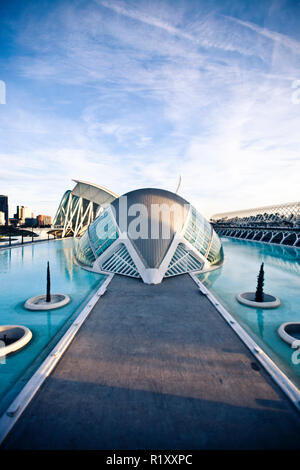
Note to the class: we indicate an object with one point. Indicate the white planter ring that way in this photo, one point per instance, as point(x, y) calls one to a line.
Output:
point(21, 335)
point(286, 331)
point(39, 302)
point(271, 300)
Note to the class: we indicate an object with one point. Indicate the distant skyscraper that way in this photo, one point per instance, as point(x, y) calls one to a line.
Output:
point(23, 213)
point(4, 207)
point(2, 218)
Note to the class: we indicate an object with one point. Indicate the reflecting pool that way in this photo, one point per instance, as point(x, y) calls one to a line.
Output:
point(23, 275)
point(282, 278)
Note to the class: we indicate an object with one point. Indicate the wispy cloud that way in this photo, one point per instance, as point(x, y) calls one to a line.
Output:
point(273, 35)
point(148, 19)
point(128, 96)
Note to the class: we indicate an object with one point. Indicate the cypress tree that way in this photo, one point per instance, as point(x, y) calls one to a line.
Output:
point(48, 296)
point(259, 294)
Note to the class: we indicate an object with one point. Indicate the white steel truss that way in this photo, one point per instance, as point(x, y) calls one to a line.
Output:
point(277, 224)
point(79, 207)
point(287, 213)
point(183, 262)
point(278, 237)
point(121, 263)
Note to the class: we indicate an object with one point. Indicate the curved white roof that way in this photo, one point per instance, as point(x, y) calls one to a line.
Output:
point(97, 186)
point(93, 192)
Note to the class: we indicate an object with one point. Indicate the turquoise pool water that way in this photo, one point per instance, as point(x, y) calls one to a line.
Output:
point(282, 278)
point(23, 275)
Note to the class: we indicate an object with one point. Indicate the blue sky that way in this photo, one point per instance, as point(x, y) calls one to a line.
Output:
point(130, 94)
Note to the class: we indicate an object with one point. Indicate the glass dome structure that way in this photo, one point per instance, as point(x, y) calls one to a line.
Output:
point(150, 234)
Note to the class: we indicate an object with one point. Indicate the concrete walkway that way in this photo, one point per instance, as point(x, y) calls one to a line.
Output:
point(156, 367)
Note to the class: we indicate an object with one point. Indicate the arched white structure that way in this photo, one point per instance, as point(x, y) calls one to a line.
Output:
point(287, 213)
point(79, 207)
point(278, 224)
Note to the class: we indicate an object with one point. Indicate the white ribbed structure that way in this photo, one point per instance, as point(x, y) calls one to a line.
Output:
point(121, 263)
point(183, 262)
point(108, 244)
point(79, 207)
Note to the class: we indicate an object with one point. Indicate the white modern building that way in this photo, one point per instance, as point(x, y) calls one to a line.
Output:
point(279, 224)
point(280, 214)
point(80, 206)
point(150, 234)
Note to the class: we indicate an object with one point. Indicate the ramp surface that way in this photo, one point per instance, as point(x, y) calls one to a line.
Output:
point(156, 367)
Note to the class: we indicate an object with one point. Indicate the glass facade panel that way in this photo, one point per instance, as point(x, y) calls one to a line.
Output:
point(84, 252)
point(99, 236)
point(215, 254)
point(103, 232)
point(198, 232)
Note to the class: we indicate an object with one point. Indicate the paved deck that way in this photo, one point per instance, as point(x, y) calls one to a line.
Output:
point(156, 367)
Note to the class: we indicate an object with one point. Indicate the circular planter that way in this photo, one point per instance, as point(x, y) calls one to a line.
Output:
point(248, 298)
point(290, 332)
point(39, 302)
point(17, 336)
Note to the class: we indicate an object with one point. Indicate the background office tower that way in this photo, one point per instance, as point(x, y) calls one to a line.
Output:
point(23, 213)
point(2, 218)
point(44, 220)
point(4, 207)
